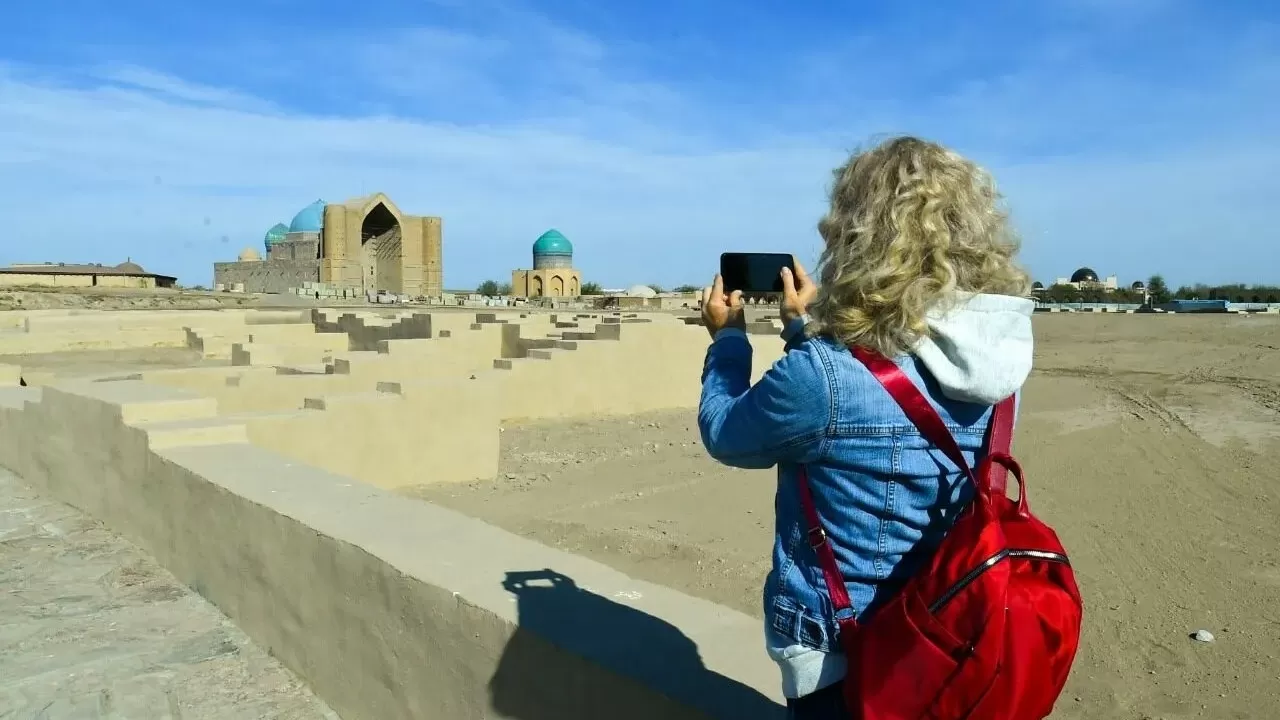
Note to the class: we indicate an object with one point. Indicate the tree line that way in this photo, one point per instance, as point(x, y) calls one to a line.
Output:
point(493, 288)
point(1159, 292)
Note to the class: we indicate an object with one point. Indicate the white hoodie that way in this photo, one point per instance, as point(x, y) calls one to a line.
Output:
point(980, 351)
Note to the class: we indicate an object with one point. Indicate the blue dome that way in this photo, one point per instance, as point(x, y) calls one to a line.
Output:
point(275, 235)
point(309, 218)
point(552, 242)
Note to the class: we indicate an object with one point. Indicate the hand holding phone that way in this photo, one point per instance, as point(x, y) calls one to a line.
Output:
point(798, 293)
point(722, 310)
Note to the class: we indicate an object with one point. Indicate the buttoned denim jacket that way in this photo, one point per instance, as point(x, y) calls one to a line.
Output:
point(885, 496)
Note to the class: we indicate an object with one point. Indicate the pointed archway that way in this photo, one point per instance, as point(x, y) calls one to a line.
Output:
point(380, 248)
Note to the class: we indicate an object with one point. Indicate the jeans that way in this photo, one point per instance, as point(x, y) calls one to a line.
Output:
point(824, 704)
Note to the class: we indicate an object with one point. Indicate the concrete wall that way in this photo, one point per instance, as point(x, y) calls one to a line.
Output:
point(615, 369)
point(75, 281)
point(267, 276)
point(387, 607)
point(44, 331)
point(366, 330)
point(386, 411)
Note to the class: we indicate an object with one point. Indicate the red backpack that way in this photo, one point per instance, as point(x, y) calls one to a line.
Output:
point(988, 628)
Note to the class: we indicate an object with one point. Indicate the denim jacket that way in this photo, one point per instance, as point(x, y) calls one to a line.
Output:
point(885, 495)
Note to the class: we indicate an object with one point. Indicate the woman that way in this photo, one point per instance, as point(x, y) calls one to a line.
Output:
point(918, 265)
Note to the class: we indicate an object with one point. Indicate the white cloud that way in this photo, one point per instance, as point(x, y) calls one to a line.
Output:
point(112, 171)
point(1127, 175)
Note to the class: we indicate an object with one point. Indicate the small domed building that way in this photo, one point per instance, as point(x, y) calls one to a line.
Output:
point(553, 274)
point(363, 245)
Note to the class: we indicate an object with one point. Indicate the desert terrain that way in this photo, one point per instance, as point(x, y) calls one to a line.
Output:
point(1150, 442)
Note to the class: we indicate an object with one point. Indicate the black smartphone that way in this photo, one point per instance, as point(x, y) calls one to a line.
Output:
point(754, 273)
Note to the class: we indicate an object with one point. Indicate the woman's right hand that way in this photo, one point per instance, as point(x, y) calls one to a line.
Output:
point(798, 293)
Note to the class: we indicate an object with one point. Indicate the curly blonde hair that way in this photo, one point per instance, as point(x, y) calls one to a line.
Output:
point(910, 223)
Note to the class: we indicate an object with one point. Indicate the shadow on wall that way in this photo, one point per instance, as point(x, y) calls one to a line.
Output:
point(643, 652)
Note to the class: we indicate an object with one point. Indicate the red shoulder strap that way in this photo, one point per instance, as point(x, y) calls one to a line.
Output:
point(921, 414)
point(831, 574)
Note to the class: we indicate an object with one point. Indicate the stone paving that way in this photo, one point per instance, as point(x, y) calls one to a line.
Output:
point(92, 627)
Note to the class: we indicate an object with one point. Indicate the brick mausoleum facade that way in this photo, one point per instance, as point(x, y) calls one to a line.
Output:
point(365, 245)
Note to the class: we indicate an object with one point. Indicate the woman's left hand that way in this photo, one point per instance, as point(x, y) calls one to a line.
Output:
point(720, 311)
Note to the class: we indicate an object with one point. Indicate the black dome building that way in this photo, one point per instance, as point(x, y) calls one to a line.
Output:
point(1084, 275)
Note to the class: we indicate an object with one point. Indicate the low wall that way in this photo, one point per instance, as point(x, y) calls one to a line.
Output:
point(623, 368)
point(267, 276)
point(25, 332)
point(387, 607)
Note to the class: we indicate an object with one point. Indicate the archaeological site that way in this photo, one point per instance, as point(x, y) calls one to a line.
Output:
point(267, 471)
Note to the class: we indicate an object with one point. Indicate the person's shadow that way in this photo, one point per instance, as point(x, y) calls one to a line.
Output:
point(578, 656)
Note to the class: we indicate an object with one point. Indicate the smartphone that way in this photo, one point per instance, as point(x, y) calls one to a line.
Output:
point(754, 273)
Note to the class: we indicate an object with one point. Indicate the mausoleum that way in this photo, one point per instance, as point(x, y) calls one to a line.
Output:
point(365, 244)
point(553, 274)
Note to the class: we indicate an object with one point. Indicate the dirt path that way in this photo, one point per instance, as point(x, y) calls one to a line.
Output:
point(1150, 443)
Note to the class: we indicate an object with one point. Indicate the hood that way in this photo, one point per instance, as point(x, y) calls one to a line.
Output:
point(980, 348)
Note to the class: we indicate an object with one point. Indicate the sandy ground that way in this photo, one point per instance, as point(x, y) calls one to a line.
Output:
point(1151, 444)
point(91, 627)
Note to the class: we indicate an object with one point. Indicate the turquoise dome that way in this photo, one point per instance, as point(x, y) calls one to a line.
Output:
point(309, 218)
point(552, 242)
point(275, 235)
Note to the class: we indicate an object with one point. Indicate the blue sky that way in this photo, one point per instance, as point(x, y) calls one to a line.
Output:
point(1133, 136)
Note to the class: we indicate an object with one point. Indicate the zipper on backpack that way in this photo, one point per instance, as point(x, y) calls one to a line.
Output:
point(991, 562)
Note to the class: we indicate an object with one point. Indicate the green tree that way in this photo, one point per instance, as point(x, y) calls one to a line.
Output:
point(491, 288)
point(656, 288)
point(504, 289)
point(1157, 289)
point(688, 289)
point(1093, 295)
point(1062, 294)
point(591, 289)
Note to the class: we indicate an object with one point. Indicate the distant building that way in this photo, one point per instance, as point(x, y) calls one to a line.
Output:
point(127, 274)
point(642, 291)
point(553, 274)
point(1086, 278)
point(365, 244)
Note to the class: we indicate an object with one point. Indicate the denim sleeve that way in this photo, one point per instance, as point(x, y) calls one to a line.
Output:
point(782, 418)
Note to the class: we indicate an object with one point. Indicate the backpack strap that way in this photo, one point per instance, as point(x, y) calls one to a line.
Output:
point(999, 441)
point(831, 574)
point(921, 414)
point(915, 405)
